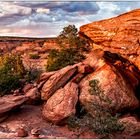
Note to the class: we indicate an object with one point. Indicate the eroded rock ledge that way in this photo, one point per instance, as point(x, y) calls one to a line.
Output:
point(120, 35)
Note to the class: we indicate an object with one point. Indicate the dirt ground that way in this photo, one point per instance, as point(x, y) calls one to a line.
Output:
point(29, 117)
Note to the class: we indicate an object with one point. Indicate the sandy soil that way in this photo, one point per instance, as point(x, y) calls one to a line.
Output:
point(30, 118)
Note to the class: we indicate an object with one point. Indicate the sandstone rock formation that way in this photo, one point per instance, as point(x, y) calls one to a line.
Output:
point(21, 132)
point(62, 104)
point(131, 125)
point(43, 78)
point(27, 87)
point(56, 81)
point(10, 102)
point(98, 58)
point(33, 96)
point(113, 80)
point(120, 35)
point(66, 91)
point(114, 88)
point(113, 84)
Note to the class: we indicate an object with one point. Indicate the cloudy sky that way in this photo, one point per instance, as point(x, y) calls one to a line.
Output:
point(47, 19)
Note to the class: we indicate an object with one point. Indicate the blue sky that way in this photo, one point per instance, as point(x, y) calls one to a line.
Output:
point(47, 19)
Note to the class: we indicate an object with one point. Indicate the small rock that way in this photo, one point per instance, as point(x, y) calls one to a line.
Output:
point(35, 84)
point(33, 96)
point(35, 132)
point(16, 92)
point(21, 132)
point(27, 87)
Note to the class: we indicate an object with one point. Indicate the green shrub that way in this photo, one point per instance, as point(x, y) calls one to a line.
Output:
point(34, 56)
point(62, 58)
point(106, 124)
point(69, 38)
point(73, 122)
point(103, 122)
point(32, 75)
point(96, 90)
point(72, 48)
point(101, 125)
point(11, 71)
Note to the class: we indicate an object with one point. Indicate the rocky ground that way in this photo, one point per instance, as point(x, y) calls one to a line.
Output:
point(27, 122)
point(30, 119)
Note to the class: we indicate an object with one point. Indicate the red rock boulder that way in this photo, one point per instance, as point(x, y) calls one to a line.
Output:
point(62, 104)
point(59, 79)
point(8, 103)
point(113, 86)
point(131, 126)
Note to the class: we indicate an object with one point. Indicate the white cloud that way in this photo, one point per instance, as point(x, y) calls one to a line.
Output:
point(107, 10)
point(21, 23)
point(8, 9)
point(49, 18)
point(108, 6)
point(43, 10)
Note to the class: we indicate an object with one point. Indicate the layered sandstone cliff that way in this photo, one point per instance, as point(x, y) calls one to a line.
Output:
point(120, 35)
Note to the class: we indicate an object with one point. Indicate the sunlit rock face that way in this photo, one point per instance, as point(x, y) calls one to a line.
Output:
point(114, 85)
point(56, 81)
point(120, 34)
point(62, 104)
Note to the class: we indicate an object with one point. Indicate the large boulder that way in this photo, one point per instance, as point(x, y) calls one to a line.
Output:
point(62, 104)
point(59, 79)
point(127, 69)
point(131, 125)
point(10, 102)
point(43, 78)
point(120, 34)
point(97, 58)
point(112, 85)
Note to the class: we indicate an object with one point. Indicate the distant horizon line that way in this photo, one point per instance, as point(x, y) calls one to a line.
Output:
point(14, 36)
